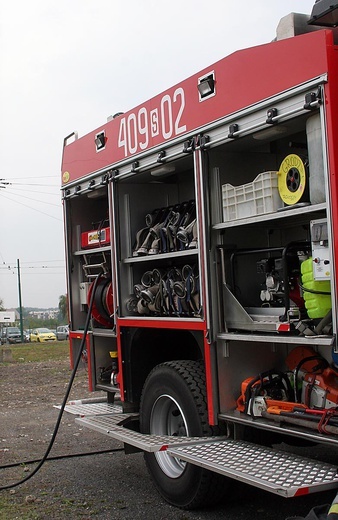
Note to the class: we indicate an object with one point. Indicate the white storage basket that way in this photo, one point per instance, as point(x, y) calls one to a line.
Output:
point(254, 198)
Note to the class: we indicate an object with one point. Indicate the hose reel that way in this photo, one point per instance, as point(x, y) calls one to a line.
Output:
point(292, 179)
point(103, 305)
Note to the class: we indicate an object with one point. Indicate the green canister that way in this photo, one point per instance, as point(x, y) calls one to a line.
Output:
point(316, 294)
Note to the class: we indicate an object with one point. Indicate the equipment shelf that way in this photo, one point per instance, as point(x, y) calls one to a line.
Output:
point(289, 212)
point(282, 428)
point(104, 332)
point(266, 338)
point(92, 251)
point(161, 256)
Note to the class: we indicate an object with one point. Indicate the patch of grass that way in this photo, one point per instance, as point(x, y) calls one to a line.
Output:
point(13, 507)
point(35, 352)
point(10, 509)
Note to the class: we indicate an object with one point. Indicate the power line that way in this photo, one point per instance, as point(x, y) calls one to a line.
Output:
point(6, 182)
point(58, 194)
point(30, 207)
point(33, 262)
point(9, 266)
point(38, 261)
point(37, 200)
point(29, 184)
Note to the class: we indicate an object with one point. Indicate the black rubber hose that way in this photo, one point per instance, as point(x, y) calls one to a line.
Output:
point(312, 291)
point(65, 399)
point(60, 457)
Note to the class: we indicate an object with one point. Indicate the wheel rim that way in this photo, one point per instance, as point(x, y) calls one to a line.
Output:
point(167, 418)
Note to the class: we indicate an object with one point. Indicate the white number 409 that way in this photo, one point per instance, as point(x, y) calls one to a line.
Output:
point(137, 129)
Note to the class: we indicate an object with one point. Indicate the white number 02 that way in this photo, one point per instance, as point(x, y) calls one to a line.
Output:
point(135, 130)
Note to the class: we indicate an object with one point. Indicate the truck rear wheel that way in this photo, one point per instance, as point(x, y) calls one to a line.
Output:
point(174, 403)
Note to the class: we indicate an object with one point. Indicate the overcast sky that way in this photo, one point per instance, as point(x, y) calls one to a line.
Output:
point(67, 65)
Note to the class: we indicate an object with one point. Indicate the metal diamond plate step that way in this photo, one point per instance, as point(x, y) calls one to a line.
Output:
point(83, 409)
point(285, 474)
point(113, 426)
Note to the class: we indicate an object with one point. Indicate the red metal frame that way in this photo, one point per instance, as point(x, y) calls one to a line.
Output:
point(331, 103)
point(122, 323)
point(156, 323)
point(257, 73)
point(79, 336)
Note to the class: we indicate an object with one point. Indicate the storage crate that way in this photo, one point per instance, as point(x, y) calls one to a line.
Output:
point(254, 198)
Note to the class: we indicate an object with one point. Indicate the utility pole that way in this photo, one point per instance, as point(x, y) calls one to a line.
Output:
point(20, 302)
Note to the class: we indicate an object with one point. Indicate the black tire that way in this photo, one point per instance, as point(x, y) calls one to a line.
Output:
point(173, 402)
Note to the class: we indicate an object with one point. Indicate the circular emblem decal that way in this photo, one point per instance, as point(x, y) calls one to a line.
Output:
point(65, 177)
point(291, 179)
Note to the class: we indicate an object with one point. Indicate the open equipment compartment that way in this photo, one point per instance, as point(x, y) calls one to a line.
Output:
point(157, 239)
point(267, 256)
point(89, 248)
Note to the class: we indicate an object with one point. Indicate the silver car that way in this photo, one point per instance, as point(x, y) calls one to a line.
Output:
point(62, 332)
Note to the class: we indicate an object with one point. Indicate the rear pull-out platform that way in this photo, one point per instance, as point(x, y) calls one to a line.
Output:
point(108, 419)
point(285, 474)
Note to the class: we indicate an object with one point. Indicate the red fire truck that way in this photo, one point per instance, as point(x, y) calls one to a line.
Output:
point(201, 242)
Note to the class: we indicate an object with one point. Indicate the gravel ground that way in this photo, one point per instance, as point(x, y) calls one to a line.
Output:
point(101, 486)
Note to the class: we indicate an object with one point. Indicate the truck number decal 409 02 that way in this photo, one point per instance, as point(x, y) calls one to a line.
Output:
point(138, 128)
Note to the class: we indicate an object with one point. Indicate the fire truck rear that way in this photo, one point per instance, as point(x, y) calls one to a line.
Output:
point(201, 241)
